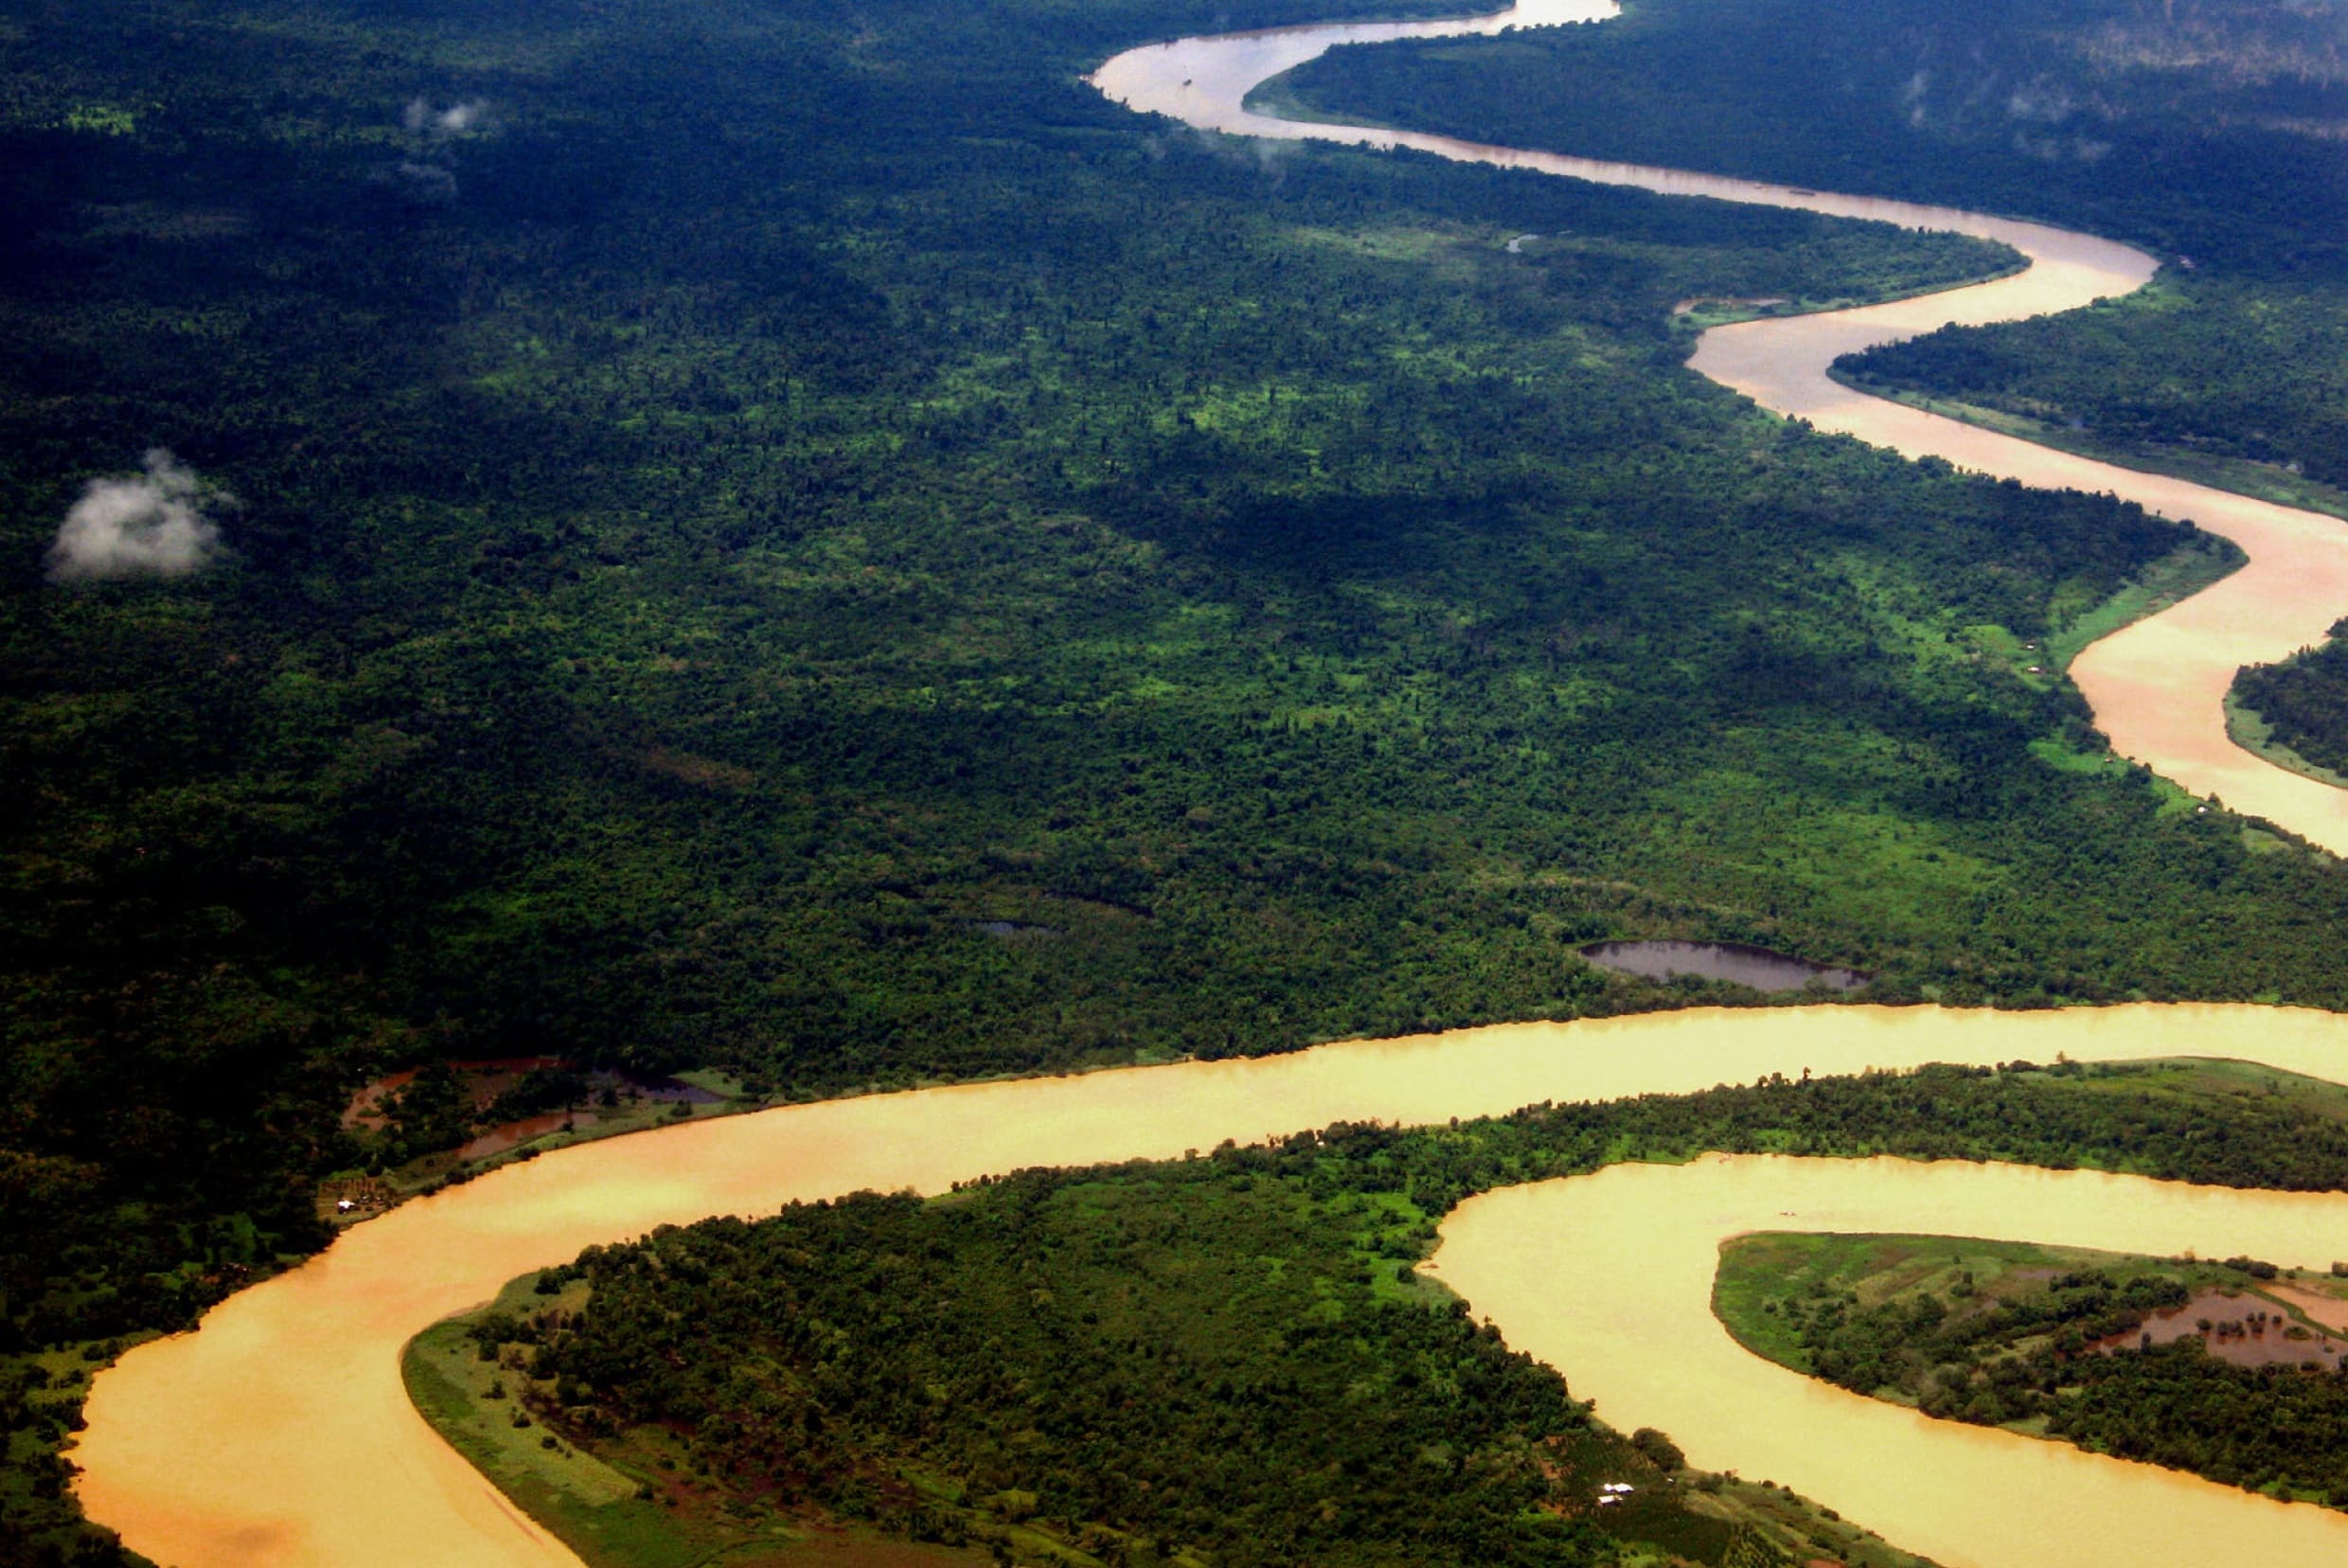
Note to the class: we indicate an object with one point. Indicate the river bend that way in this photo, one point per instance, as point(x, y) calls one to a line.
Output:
point(1648, 1349)
point(280, 1433)
point(2157, 687)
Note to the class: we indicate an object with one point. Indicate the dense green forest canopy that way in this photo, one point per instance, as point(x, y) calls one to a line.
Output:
point(798, 538)
point(2303, 702)
point(2212, 1367)
point(2225, 379)
point(2207, 131)
point(1231, 1354)
point(2207, 127)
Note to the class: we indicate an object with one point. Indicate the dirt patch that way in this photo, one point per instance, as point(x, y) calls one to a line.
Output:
point(1727, 302)
point(706, 772)
point(844, 1550)
point(484, 1080)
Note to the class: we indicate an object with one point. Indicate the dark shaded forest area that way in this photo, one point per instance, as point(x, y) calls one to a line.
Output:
point(2200, 128)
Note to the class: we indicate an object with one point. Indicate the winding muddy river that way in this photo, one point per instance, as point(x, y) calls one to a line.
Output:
point(280, 1432)
point(2157, 685)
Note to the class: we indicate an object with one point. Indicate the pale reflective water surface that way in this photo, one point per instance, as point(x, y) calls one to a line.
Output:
point(280, 1433)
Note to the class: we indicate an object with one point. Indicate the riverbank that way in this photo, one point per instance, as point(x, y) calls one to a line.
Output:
point(693, 1168)
point(2157, 688)
point(2253, 734)
point(2223, 1369)
point(1243, 1333)
point(2239, 475)
point(1652, 1351)
point(285, 1419)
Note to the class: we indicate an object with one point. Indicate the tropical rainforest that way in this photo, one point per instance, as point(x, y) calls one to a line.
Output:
point(797, 539)
point(2208, 131)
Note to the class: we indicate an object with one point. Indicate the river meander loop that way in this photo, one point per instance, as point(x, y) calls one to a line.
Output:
point(1610, 1276)
point(280, 1432)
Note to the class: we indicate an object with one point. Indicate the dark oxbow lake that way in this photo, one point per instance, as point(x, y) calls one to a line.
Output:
point(1732, 961)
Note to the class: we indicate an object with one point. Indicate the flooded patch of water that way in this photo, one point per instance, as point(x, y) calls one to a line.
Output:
point(1734, 962)
point(2238, 1326)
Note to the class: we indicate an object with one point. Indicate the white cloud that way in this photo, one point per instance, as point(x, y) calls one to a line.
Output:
point(455, 120)
point(142, 525)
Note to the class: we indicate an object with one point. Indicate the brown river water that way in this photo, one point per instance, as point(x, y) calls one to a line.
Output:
point(280, 1433)
point(1610, 1276)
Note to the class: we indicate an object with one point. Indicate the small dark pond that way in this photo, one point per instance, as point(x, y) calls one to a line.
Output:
point(1733, 961)
point(1007, 929)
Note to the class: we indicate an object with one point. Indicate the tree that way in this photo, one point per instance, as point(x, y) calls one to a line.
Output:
point(1659, 1448)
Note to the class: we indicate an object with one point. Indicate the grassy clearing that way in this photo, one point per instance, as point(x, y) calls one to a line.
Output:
point(1761, 1274)
point(2249, 730)
point(2212, 1084)
point(1758, 1272)
point(2175, 577)
point(611, 1516)
point(474, 1405)
point(2229, 1370)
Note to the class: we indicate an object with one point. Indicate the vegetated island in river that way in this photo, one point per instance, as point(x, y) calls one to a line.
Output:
point(1230, 1359)
point(2235, 1370)
point(2295, 714)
